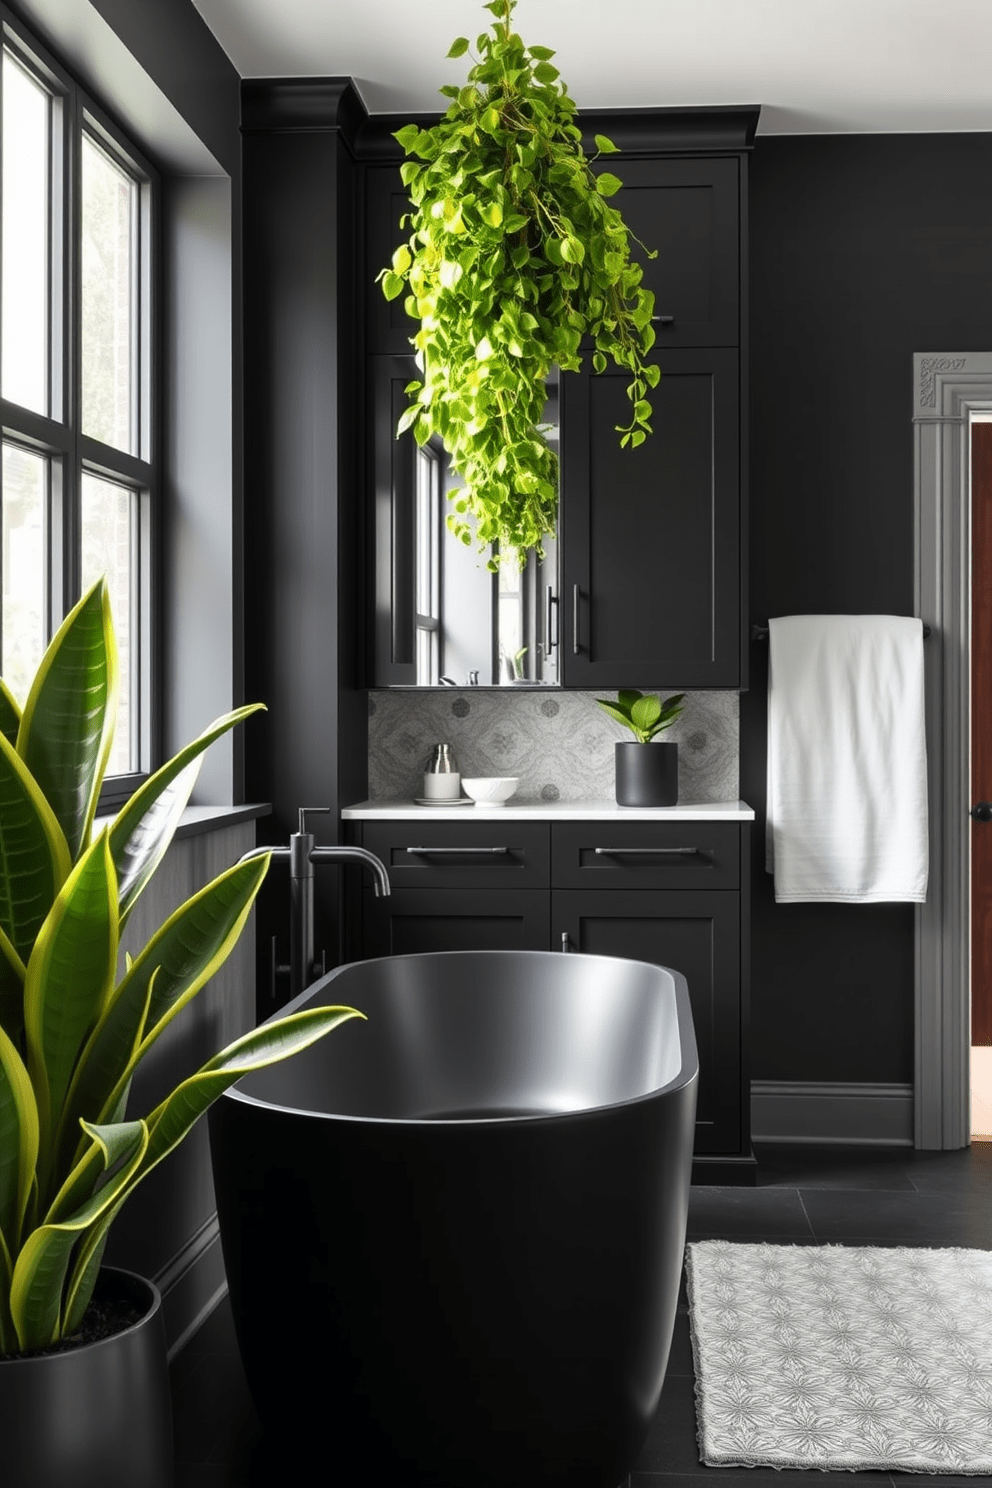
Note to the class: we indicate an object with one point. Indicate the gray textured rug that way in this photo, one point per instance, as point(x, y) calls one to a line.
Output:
point(840, 1357)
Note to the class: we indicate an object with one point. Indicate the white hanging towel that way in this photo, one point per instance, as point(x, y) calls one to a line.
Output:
point(847, 769)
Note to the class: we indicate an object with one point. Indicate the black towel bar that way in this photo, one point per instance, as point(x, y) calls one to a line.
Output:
point(760, 632)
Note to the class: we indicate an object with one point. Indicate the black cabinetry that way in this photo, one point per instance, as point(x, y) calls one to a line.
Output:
point(672, 893)
point(651, 551)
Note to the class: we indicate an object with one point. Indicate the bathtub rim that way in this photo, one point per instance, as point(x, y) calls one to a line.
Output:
point(687, 1073)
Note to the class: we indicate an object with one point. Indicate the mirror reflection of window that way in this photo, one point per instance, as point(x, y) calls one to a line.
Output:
point(428, 601)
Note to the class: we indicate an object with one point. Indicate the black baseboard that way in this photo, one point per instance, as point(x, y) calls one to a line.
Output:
point(729, 1171)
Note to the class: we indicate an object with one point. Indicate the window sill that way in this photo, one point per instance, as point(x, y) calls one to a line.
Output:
point(198, 820)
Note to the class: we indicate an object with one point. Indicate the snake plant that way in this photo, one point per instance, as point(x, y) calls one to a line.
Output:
point(74, 1023)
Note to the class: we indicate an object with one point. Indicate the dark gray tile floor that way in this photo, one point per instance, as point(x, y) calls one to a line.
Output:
point(812, 1196)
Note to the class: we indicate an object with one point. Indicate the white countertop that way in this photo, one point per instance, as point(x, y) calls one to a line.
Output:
point(405, 810)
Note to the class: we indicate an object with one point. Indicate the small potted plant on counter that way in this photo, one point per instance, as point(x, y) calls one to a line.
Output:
point(645, 777)
point(84, 1388)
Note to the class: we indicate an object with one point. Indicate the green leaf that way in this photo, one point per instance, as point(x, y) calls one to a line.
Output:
point(407, 418)
point(541, 53)
point(143, 829)
point(67, 726)
point(407, 137)
point(545, 73)
point(68, 981)
point(18, 1141)
point(458, 47)
point(627, 697)
point(40, 1269)
point(11, 990)
point(604, 145)
point(10, 714)
point(392, 285)
point(646, 712)
point(402, 259)
point(616, 713)
point(34, 855)
point(607, 184)
point(174, 966)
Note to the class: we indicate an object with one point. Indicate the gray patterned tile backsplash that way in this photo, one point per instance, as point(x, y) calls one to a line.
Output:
point(558, 743)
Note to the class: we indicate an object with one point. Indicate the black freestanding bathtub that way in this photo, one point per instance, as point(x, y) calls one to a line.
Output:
point(453, 1234)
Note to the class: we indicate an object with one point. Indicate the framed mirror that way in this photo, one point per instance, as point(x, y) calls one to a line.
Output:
point(442, 618)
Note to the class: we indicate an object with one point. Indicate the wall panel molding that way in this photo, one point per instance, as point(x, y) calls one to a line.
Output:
point(948, 389)
point(832, 1112)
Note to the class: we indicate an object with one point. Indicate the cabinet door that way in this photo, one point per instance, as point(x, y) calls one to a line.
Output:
point(650, 538)
point(413, 920)
point(688, 211)
point(394, 536)
point(388, 327)
point(698, 935)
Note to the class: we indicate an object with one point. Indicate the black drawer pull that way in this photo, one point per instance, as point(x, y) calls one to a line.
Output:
point(645, 852)
point(460, 852)
point(663, 319)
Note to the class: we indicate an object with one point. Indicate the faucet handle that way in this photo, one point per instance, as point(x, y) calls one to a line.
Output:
point(306, 811)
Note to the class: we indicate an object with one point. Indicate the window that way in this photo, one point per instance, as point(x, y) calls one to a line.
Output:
point(78, 477)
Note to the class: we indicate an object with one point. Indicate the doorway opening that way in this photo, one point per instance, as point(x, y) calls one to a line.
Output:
point(981, 776)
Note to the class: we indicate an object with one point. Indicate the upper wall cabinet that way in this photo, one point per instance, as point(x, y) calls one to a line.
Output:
point(646, 583)
point(388, 326)
point(688, 211)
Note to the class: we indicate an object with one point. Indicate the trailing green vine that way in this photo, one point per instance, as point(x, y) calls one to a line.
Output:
point(514, 256)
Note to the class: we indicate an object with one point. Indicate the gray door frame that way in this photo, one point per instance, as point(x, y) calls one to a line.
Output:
point(949, 389)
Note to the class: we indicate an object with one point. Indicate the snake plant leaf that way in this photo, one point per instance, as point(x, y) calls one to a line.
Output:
point(8, 1333)
point(85, 1268)
point(69, 979)
point(100, 1080)
point(11, 990)
point(41, 1268)
point(67, 726)
point(10, 714)
point(18, 1141)
point(177, 962)
point(34, 855)
point(170, 1122)
point(144, 827)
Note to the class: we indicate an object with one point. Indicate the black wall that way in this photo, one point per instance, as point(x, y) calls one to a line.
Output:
point(864, 250)
point(304, 556)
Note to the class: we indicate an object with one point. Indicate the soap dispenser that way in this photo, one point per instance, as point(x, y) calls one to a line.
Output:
point(442, 781)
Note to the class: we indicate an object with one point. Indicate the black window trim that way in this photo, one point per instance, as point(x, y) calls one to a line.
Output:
point(72, 453)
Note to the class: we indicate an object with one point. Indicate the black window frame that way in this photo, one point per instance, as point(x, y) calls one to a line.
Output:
point(58, 435)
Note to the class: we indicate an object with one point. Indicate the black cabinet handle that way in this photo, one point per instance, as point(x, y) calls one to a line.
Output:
point(982, 811)
point(460, 852)
point(663, 319)
point(645, 852)
point(566, 944)
point(576, 595)
point(550, 610)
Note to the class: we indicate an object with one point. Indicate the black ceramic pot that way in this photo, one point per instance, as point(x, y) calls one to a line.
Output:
point(96, 1416)
point(647, 774)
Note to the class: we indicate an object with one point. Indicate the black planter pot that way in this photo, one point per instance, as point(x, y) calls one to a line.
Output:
point(647, 774)
point(96, 1416)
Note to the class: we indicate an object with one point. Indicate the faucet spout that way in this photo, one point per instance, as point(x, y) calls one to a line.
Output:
point(376, 866)
point(302, 854)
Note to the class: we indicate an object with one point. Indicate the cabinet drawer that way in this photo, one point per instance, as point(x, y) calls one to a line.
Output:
point(414, 921)
point(462, 855)
point(645, 855)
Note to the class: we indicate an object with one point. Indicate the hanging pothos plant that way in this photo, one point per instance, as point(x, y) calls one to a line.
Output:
point(514, 256)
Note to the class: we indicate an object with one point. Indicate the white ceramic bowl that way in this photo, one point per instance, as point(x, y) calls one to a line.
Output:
point(490, 790)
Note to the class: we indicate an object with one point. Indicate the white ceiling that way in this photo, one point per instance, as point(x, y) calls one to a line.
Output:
point(815, 66)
